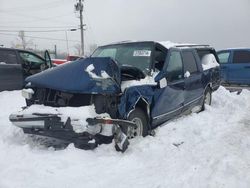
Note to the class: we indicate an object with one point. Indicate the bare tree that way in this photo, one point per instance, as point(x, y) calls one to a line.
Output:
point(22, 42)
point(92, 48)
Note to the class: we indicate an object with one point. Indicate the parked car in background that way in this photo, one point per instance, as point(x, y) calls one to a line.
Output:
point(58, 61)
point(72, 57)
point(68, 59)
point(122, 91)
point(16, 65)
point(235, 66)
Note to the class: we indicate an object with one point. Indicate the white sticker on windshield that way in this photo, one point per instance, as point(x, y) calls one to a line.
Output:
point(143, 53)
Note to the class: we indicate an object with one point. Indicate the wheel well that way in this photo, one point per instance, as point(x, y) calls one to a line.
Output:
point(144, 106)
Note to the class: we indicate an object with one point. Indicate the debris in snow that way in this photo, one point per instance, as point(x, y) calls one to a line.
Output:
point(209, 61)
point(178, 144)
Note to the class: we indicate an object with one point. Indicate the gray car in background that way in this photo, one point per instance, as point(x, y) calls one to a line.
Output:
point(16, 65)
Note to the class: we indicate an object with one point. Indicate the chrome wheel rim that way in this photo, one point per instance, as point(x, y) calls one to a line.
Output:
point(133, 132)
point(208, 98)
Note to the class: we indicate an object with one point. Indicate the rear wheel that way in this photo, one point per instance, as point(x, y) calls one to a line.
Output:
point(139, 117)
point(207, 98)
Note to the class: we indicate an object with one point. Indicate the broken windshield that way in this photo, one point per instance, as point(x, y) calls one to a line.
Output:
point(130, 54)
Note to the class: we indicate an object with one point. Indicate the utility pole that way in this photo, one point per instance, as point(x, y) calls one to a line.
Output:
point(55, 51)
point(79, 7)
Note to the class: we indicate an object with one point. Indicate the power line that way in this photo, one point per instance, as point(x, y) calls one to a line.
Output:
point(44, 38)
point(36, 31)
point(45, 27)
point(37, 19)
point(35, 7)
point(89, 26)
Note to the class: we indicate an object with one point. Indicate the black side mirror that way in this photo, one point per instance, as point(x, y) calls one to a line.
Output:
point(47, 59)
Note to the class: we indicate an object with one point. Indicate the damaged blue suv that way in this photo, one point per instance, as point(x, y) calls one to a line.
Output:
point(122, 91)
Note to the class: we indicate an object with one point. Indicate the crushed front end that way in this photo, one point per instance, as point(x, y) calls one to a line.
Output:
point(83, 134)
point(87, 120)
point(77, 103)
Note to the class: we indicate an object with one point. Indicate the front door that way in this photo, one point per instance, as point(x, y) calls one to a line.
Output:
point(169, 97)
point(11, 73)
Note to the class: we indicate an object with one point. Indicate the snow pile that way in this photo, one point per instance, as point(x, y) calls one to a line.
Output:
point(209, 149)
point(148, 80)
point(209, 61)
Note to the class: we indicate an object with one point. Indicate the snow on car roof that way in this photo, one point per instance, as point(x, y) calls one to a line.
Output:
point(169, 44)
point(236, 48)
point(166, 44)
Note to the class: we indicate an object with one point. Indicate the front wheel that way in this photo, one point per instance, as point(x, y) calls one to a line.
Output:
point(139, 117)
point(207, 98)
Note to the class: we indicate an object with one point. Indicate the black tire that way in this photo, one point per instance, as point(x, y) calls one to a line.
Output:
point(140, 118)
point(207, 93)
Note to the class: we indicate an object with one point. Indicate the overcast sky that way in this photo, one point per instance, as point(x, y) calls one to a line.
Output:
point(220, 23)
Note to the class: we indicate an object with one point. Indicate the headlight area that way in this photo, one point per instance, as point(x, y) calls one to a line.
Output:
point(27, 93)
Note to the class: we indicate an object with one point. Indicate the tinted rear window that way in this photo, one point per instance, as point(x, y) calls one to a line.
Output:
point(8, 57)
point(242, 56)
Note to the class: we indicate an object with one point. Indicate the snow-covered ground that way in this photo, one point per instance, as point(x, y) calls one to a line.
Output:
point(209, 149)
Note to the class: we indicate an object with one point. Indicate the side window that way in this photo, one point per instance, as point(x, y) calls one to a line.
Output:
point(223, 57)
point(242, 56)
point(28, 57)
point(159, 59)
point(175, 67)
point(8, 57)
point(189, 62)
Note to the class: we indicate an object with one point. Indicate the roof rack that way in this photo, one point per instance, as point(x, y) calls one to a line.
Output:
point(192, 45)
point(121, 42)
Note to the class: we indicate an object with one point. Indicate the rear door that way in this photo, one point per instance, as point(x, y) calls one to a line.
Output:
point(225, 64)
point(11, 73)
point(239, 71)
point(169, 97)
point(193, 80)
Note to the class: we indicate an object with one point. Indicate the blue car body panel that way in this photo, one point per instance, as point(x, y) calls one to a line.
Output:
point(132, 96)
point(73, 77)
point(168, 102)
point(233, 72)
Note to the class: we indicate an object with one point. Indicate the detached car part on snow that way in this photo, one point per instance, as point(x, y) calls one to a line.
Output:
point(129, 88)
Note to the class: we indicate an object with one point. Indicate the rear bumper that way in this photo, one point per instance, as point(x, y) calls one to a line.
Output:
point(236, 88)
point(98, 130)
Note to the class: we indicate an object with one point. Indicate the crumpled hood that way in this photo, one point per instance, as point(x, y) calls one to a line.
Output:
point(90, 75)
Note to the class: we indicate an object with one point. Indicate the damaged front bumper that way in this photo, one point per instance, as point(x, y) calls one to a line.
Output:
point(98, 130)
